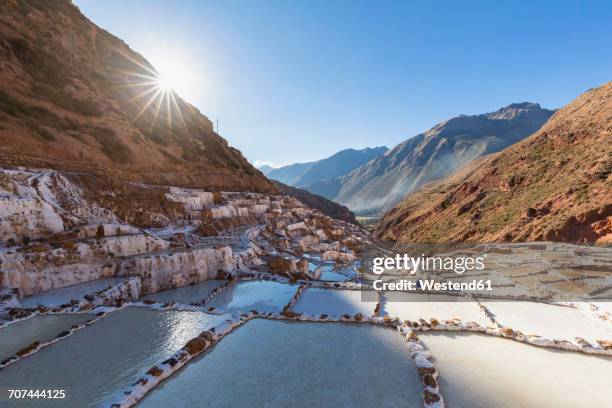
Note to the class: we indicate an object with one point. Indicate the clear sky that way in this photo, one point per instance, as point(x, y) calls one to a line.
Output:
point(294, 81)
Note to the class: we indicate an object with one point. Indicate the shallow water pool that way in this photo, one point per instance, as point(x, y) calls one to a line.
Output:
point(285, 364)
point(264, 296)
point(186, 294)
point(95, 362)
point(336, 302)
point(60, 296)
point(38, 328)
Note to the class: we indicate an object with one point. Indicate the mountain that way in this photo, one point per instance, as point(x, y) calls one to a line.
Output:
point(339, 164)
point(555, 185)
point(326, 206)
point(289, 174)
point(76, 98)
point(432, 155)
point(265, 168)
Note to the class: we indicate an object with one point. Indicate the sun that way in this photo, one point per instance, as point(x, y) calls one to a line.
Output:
point(163, 84)
point(173, 76)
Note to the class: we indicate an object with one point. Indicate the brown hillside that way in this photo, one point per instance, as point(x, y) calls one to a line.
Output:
point(76, 98)
point(555, 185)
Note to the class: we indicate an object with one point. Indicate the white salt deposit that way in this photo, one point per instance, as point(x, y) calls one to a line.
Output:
point(414, 306)
point(480, 371)
point(563, 323)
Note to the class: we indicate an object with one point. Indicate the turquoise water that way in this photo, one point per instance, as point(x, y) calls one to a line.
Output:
point(283, 364)
point(95, 362)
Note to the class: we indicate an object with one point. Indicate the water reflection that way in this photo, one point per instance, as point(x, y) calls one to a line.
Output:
point(288, 364)
point(264, 296)
point(97, 361)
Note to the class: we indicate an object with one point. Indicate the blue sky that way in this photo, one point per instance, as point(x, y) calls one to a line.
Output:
point(297, 81)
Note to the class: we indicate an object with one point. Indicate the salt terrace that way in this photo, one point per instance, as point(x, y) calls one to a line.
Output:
point(149, 316)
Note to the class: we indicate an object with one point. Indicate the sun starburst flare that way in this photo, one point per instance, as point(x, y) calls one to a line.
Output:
point(155, 90)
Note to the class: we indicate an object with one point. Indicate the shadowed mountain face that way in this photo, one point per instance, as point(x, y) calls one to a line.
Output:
point(555, 185)
point(326, 206)
point(76, 98)
point(341, 163)
point(432, 155)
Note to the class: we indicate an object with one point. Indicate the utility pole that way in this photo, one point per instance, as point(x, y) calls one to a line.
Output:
point(217, 125)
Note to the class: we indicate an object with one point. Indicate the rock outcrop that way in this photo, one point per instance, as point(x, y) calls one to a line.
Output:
point(56, 230)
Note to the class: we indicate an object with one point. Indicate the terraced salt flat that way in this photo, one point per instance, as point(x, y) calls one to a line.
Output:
point(286, 364)
point(264, 296)
point(481, 371)
point(414, 306)
point(336, 302)
point(60, 296)
point(38, 328)
point(186, 294)
point(95, 362)
point(563, 323)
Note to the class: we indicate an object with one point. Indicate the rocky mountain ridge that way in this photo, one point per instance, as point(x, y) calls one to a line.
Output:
point(432, 155)
point(556, 185)
point(304, 175)
point(76, 98)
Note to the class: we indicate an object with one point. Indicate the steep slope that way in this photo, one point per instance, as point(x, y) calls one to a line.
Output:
point(555, 185)
point(76, 98)
point(339, 164)
point(432, 155)
point(326, 206)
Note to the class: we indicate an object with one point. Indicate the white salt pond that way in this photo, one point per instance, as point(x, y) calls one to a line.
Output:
point(559, 322)
point(336, 302)
point(95, 362)
point(186, 294)
point(286, 364)
point(60, 296)
point(38, 328)
point(482, 371)
point(264, 296)
point(414, 306)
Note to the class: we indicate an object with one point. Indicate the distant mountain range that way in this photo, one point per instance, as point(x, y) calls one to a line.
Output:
point(556, 185)
point(339, 164)
point(379, 184)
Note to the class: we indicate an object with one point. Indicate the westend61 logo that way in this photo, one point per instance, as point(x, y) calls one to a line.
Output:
point(424, 265)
